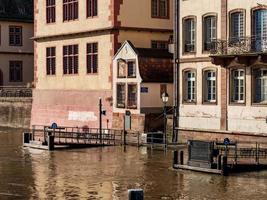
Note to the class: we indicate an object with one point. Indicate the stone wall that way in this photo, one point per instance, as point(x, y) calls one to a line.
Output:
point(15, 112)
point(185, 135)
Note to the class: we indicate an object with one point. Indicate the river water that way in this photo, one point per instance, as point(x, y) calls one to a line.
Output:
point(107, 173)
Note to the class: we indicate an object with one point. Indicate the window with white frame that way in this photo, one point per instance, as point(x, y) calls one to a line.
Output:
point(260, 30)
point(132, 96)
point(237, 26)
point(121, 95)
point(238, 86)
point(190, 86)
point(210, 86)
point(210, 31)
point(131, 69)
point(189, 35)
point(260, 85)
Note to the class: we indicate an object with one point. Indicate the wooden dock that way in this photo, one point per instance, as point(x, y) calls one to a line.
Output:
point(49, 138)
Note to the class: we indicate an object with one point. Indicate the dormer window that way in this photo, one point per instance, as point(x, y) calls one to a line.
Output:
point(131, 69)
point(122, 68)
point(126, 68)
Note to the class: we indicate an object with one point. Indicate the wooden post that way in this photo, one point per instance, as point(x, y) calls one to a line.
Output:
point(181, 157)
point(138, 137)
point(224, 166)
point(136, 194)
point(219, 162)
point(175, 158)
point(51, 145)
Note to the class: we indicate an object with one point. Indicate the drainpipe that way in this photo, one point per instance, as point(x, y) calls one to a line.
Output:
point(176, 66)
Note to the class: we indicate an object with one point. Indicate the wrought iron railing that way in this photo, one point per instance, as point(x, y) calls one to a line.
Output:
point(15, 91)
point(244, 45)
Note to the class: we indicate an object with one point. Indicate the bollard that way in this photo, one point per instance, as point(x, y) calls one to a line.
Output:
point(224, 166)
point(136, 194)
point(26, 138)
point(219, 162)
point(51, 145)
point(181, 157)
point(175, 158)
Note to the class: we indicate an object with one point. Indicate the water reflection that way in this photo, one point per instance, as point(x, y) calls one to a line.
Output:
point(107, 173)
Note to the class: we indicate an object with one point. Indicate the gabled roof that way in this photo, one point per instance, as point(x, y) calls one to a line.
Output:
point(156, 70)
point(16, 10)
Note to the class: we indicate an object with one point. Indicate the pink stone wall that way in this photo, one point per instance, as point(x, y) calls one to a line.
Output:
point(56, 105)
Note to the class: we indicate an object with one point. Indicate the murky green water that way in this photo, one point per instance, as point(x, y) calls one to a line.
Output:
point(107, 173)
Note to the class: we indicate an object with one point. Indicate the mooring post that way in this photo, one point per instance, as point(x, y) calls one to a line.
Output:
point(100, 120)
point(51, 143)
point(224, 166)
point(138, 138)
point(257, 153)
point(181, 157)
point(175, 158)
point(136, 194)
point(219, 162)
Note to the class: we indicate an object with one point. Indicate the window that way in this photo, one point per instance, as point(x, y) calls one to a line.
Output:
point(189, 35)
point(92, 58)
point(159, 44)
point(210, 31)
point(15, 35)
point(51, 60)
point(210, 86)
point(131, 69)
point(260, 30)
point(160, 8)
point(238, 86)
point(15, 71)
point(70, 59)
point(237, 26)
point(190, 86)
point(50, 11)
point(122, 68)
point(260, 85)
point(70, 10)
point(91, 8)
point(120, 95)
point(132, 96)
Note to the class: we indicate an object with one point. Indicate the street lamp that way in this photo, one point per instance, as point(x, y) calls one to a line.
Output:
point(165, 99)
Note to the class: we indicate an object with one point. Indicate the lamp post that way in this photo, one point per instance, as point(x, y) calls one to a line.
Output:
point(165, 98)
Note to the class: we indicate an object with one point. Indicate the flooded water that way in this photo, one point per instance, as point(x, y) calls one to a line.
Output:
point(107, 173)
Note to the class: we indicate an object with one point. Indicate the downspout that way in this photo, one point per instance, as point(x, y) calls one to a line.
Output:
point(176, 66)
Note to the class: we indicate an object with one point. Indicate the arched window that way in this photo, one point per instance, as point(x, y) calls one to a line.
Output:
point(210, 31)
point(260, 85)
point(189, 35)
point(210, 86)
point(237, 26)
point(190, 86)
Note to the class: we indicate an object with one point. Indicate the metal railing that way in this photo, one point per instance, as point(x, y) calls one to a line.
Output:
point(240, 45)
point(77, 135)
point(15, 91)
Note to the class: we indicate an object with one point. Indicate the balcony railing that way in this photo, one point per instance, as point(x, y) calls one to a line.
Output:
point(244, 45)
point(15, 91)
